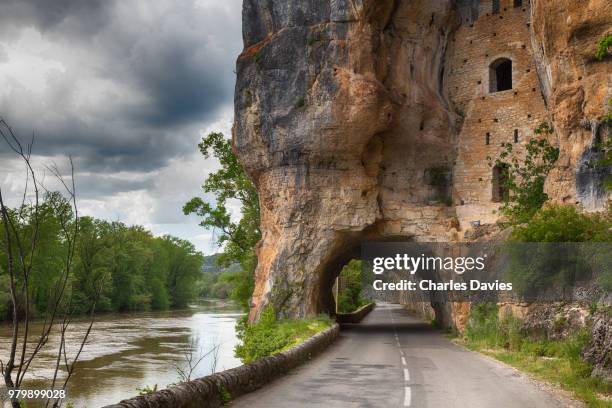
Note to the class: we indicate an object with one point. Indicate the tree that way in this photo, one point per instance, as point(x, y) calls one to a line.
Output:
point(524, 178)
point(350, 297)
point(27, 242)
point(238, 239)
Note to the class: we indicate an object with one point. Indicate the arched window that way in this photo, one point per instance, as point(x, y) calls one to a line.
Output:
point(500, 190)
point(500, 75)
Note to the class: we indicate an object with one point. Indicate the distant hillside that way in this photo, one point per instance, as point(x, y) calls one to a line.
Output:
point(210, 265)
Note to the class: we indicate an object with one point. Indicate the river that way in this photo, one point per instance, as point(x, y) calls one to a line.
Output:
point(126, 352)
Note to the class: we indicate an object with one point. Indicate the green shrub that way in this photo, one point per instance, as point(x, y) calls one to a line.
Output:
point(524, 177)
point(226, 396)
point(270, 336)
point(147, 389)
point(534, 269)
point(482, 326)
point(603, 46)
point(564, 223)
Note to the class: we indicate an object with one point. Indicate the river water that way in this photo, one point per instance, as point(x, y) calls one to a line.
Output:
point(130, 351)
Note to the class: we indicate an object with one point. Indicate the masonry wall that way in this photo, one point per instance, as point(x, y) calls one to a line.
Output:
point(481, 40)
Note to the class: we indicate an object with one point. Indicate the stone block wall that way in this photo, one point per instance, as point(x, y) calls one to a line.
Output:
point(472, 49)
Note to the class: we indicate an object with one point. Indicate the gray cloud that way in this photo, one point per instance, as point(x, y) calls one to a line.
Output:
point(124, 87)
point(3, 55)
point(138, 79)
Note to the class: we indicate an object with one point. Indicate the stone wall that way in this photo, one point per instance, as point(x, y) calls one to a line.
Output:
point(356, 316)
point(474, 46)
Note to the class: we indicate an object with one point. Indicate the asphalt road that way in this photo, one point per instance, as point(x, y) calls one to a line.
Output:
point(394, 360)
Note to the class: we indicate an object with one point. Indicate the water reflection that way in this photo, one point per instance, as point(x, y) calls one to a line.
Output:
point(129, 351)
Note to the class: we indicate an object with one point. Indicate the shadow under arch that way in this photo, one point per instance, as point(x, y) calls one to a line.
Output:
point(352, 249)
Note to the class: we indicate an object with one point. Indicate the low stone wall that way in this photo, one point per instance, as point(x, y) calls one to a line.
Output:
point(216, 390)
point(356, 316)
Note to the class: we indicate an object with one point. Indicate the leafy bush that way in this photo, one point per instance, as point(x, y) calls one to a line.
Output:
point(486, 330)
point(524, 178)
point(603, 46)
point(482, 325)
point(564, 223)
point(271, 336)
point(536, 269)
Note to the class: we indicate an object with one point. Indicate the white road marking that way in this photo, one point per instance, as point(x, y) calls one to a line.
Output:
point(407, 390)
point(407, 397)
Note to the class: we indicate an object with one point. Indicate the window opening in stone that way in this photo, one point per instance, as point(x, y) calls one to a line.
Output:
point(500, 75)
point(495, 6)
point(500, 191)
point(516, 136)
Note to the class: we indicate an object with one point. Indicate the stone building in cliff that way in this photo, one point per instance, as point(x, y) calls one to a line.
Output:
point(373, 120)
point(492, 81)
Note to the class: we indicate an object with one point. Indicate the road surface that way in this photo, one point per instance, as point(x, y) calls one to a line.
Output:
point(394, 360)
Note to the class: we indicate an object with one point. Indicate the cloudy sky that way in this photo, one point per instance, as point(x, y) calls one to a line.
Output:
point(127, 88)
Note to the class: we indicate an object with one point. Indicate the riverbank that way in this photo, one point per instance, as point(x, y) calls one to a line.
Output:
point(217, 390)
point(127, 352)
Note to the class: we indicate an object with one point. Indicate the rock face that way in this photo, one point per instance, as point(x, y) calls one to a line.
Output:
point(372, 119)
point(577, 88)
point(599, 350)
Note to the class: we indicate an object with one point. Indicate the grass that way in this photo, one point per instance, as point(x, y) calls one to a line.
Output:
point(271, 336)
point(555, 361)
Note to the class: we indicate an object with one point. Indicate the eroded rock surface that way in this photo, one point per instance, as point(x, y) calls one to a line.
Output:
point(372, 119)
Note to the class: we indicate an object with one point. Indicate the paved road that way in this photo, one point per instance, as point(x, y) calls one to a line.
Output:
point(393, 360)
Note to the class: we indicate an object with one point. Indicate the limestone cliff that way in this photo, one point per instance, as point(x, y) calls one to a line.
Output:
point(577, 88)
point(372, 119)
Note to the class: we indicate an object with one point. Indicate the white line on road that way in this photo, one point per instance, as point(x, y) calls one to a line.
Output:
point(406, 374)
point(407, 397)
point(404, 361)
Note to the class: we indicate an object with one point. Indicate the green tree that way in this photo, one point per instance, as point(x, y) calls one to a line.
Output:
point(237, 238)
point(350, 297)
point(524, 178)
point(185, 267)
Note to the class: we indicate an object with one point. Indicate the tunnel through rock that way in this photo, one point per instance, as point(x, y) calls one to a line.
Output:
point(348, 282)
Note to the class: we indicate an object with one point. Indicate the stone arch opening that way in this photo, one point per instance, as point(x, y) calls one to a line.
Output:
point(500, 75)
point(500, 191)
point(328, 291)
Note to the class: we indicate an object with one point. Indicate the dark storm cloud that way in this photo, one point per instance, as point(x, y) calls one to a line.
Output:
point(80, 17)
point(136, 80)
point(95, 185)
